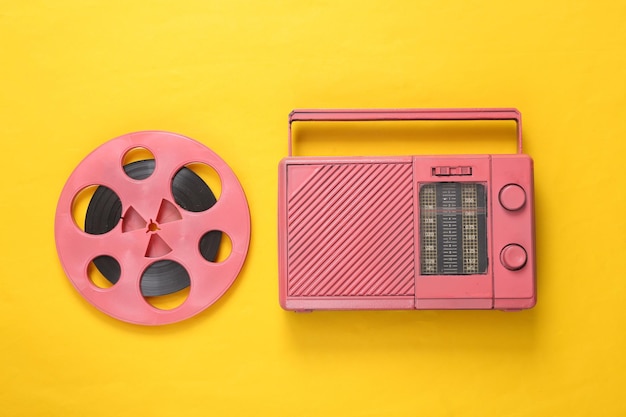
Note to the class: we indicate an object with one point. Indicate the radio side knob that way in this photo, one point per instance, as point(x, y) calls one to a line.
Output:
point(512, 197)
point(513, 257)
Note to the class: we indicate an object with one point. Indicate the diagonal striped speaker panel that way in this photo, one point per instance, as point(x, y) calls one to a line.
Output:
point(350, 231)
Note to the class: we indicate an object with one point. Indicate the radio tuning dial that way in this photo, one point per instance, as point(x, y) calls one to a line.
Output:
point(513, 257)
point(512, 197)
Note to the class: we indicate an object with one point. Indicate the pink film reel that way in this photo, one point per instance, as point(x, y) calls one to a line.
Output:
point(152, 228)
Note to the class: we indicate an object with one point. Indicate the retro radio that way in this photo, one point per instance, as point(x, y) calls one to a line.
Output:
point(406, 232)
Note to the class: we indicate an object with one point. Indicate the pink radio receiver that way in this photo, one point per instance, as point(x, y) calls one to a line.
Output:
point(406, 232)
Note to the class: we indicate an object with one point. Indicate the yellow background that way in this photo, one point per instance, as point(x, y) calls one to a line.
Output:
point(76, 73)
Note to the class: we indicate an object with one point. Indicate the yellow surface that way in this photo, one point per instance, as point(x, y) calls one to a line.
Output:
point(75, 73)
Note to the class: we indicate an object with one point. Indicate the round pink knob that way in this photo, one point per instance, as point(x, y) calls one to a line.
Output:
point(513, 257)
point(512, 197)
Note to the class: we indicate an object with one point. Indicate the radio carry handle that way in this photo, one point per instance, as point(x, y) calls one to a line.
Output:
point(341, 115)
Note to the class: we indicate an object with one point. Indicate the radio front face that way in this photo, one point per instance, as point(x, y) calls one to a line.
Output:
point(397, 233)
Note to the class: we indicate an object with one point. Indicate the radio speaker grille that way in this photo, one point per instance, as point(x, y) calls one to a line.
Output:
point(351, 231)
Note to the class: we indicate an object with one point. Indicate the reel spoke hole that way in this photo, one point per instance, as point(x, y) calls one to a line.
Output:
point(165, 284)
point(168, 213)
point(138, 163)
point(96, 209)
point(196, 187)
point(215, 246)
point(132, 221)
point(157, 247)
point(104, 271)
